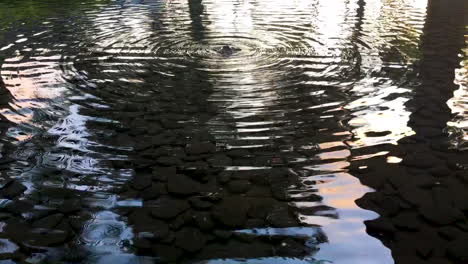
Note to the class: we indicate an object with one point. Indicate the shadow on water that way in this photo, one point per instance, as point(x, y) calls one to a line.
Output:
point(420, 183)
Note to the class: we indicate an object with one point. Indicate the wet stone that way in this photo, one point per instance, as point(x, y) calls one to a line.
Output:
point(390, 206)
point(231, 212)
point(45, 238)
point(167, 208)
point(190, 239)
point(450, 232)
point(7, 248)
point(48, 222)
point(168, 253)
point(169, 161)
point(261, 207)
point(440, 171)
point(220, 160)
point(254, 223)
point(198, 148)
point(381, 224)
point(458, 249)
point(156, 229)
point(19, 207)
point(142, 181)
point(69, 206)
point(199, 203)
point(222, 234)
point(407, 221)
point(441, 215)
point(415, 195)
point(421, 160)
point(182, 185)
point(238, 153)
point(162, 173)
point(238, 186)
point(12, 189)
point(281, 217)
point(203, 220)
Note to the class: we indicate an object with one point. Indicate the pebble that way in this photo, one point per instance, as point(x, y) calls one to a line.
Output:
point(231, 211)
point(407, 220)
point(238, 186)
point(48, 222)
point(142, 181)
point(458, 249)
point(440, 215)
point(450, 232)
point(167, 208)
point(190, 239)
point(13, 189)
point(198, 148)
point(180, 184)
point(169, 161)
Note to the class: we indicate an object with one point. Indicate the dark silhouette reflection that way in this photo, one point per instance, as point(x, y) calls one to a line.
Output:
point(196, 16)
point(421, 183)
point(201, 199)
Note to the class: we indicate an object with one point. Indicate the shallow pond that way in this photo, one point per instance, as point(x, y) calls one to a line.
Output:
point(255, 131)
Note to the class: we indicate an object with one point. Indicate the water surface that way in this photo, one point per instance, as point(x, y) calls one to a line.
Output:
point(202, 131)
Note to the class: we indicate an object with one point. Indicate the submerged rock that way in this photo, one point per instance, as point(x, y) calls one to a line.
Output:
point(190, 239)
point(167, 208)
point(231, 211)
point(13, 189)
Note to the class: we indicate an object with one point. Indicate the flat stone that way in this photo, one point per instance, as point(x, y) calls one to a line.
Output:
point(238, 153)
point(7, 248)
point(152, 192)
point(421, 160)
point(167, 208)
point(238, 186)
point(261, 207)
point(169, 161)
point(390, 206)
point(168, 253)
point(381, 224)
point(254, 223)
point(220, 160)
point(142, 181)
point(46, 238)
point(48, 222)
point(407, 220)
point(13, 189)
point(190, 239)
point(224, 177)
point(156, 229)
point(199, 203)
point(450, 232)
point(182, 185)
point(415, 195)
point(222, 234)
point(440, 171)
point(70, 206)
point(441, 215)
point(203, 220)
point(281, 217)
point(198, 148)
point(231, 211)
point(19, 207)
point(162, 173)
point(458, 249)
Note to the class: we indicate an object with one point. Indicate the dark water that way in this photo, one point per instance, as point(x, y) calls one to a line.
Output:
point(146, 131)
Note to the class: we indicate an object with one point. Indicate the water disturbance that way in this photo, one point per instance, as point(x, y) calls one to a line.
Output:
point(227, 131)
